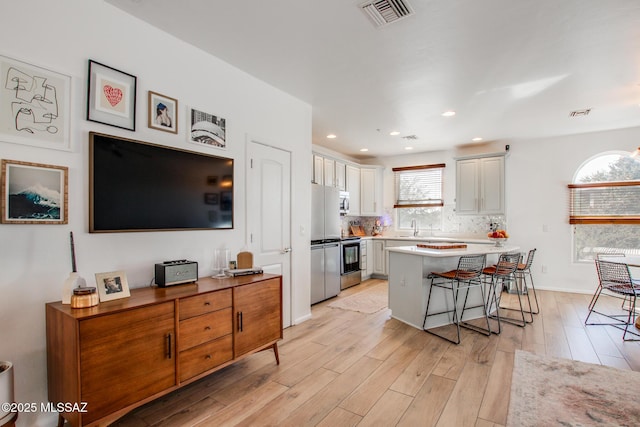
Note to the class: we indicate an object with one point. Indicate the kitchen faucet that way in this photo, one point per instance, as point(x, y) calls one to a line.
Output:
point(414, 225)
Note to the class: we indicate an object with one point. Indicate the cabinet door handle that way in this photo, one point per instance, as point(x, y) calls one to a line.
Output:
point(240, 321)
point(207, 328)
point(208, 356)
point(169, 346)
point(207, 303)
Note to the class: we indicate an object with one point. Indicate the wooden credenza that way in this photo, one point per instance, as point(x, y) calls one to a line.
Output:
point(121, 354)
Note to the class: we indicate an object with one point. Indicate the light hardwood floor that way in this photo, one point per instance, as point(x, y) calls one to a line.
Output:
point(344, 368)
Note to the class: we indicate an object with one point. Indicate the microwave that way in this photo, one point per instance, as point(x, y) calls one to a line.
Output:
point(344, 202)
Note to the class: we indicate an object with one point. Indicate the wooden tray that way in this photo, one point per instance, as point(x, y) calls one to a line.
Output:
point(442, 245)
point(357, 230)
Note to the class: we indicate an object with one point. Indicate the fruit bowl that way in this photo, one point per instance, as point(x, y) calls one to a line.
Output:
point(500, 241)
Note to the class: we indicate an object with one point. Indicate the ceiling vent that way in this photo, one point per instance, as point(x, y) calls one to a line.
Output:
point(580, 113)
point(384, 12)
point(413, 137)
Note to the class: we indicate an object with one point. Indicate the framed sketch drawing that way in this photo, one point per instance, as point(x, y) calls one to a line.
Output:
point(207, 129)
point(111, 97)
point(34, 193)
point(35, 105)
point(112, 285)
point(163, 112)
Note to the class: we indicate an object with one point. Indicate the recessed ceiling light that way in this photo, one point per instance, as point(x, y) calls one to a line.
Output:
point(394, 133)
point(477, 139)
point(364, 149)
point(331, 136)
point(449, 113)
point(408, 148)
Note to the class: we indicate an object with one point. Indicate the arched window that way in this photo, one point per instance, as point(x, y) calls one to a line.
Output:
point(605, 206)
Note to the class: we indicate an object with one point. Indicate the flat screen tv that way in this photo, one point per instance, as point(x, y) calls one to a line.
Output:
point(138, 186)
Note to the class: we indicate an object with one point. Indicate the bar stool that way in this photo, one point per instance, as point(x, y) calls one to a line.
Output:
point(466, 276)
point(503, 272)
point(522, 272)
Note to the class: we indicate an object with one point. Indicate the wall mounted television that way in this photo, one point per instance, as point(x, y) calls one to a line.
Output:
point(140, 186)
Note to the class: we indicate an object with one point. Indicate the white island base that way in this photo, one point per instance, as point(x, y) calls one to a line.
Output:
point(409, 267)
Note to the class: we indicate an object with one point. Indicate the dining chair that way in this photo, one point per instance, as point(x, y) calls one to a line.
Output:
point(615, 279)
point(600, 256)
point(504, 273)
point(465, 277)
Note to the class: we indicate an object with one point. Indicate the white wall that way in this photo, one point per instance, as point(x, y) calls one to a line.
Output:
point(35, 259)
point(537, 174)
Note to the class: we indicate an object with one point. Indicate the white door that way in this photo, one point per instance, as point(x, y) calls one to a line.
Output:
point(269, 214)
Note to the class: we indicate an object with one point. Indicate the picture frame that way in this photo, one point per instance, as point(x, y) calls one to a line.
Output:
point(34, 193)
point(111, 97)
point(211, 198)
point(112, 285)
point(162, 112)
point(207, 129)
point(35, 105)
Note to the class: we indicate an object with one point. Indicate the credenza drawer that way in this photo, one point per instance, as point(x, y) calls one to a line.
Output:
point(207, 327)
point(205, 303)
point(205, 356)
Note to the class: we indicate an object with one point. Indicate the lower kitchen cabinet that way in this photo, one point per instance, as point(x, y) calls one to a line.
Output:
point(123, 353)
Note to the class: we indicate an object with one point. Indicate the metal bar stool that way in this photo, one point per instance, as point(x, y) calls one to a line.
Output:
point(615, 278)
point(522, 272)
point(504, 272)
point(467, 275)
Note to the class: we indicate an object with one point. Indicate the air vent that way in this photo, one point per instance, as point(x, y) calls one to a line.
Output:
point(414, 137)
point(384, 12)
point(580, 113)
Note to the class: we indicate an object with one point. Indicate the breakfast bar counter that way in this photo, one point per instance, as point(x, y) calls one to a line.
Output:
point(409, 267)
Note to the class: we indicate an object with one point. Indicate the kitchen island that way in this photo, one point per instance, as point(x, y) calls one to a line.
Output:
point(409, 267)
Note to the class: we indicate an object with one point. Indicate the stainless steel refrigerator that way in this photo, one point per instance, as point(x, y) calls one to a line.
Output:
point(325, 242)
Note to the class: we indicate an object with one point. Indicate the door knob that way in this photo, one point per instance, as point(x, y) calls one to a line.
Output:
point(285, 250)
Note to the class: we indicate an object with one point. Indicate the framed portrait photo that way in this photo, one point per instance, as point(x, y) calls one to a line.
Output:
point(163, 112)
point(207, 129)
point(35, 105)
point(112, 285)
point(111, 97)
point(34, 193)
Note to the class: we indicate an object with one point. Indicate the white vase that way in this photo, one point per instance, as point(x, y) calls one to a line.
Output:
point(6, 386)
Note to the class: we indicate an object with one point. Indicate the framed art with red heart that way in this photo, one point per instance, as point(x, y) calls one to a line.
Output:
point(111, 97)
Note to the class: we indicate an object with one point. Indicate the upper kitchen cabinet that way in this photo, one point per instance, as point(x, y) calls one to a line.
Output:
point(329, 172)
point(340, 175)
point(371, 190)
point(353, 187)
point(318, 170)
point(480, 186)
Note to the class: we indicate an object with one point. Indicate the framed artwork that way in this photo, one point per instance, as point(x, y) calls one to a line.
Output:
point(211, 198)
point(111, 98)
point(34, 193)
point(35, 105)
point(163, 112)
point(112, 285)
point(207, 129)
point(226, 198)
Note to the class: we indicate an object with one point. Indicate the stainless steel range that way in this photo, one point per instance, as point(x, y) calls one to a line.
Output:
point(350, 274)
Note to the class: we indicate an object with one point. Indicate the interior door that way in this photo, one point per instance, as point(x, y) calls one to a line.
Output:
point(269, 214)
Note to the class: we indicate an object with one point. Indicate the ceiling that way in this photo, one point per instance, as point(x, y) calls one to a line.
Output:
point(509, 69)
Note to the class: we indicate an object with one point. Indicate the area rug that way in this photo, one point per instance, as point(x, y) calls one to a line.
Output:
point(368, 301)
point(548, 391)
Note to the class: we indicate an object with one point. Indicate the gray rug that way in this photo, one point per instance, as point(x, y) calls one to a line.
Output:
point(548, 391)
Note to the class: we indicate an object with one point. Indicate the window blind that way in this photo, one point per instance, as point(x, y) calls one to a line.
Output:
point(418, 186)
point(605, 203)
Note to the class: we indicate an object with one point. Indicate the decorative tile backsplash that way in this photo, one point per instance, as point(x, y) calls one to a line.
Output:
point(468, 225)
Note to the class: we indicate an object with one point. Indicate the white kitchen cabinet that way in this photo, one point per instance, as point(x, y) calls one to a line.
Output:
point(353, 187)
point(318, 170)
point(371, 191)
point(340, 175)
point(379, 258)
point(329, 172)
point(480, 186)
point(369, 270)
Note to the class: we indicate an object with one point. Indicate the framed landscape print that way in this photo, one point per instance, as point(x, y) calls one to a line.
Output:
point(35, 105)
point(34, 193)
point(112, 285)
point(207, 129)
point(111, 97)
point(163, 112)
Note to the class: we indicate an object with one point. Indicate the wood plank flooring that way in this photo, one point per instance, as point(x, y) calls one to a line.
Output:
point(345, 368)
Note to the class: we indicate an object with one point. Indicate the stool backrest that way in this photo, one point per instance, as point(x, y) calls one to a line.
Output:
point(507, 264)
point(470, 266)
point(527, 266)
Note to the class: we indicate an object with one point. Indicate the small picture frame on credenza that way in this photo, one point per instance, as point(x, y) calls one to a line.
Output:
point(112, 285)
